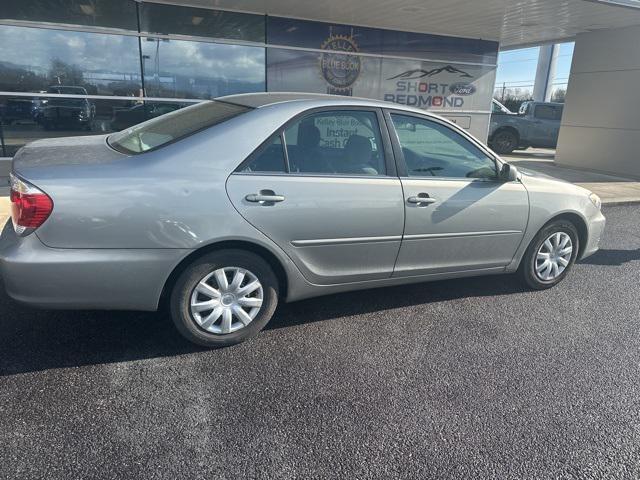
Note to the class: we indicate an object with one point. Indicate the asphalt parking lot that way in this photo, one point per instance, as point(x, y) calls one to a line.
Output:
point(473, 378)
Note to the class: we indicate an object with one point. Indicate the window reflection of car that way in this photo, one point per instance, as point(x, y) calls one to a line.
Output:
point(126, 118)
point(17, 110)
point(76, 113)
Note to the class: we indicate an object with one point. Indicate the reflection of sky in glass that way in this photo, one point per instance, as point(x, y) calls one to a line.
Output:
point(518, 67)
point(100, 58)
point(178, 68)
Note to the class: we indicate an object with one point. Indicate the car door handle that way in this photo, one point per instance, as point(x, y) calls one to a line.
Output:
point(423, 199)
point(259, 198)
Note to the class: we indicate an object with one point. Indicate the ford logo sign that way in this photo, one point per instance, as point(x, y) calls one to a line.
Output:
point(463, 89)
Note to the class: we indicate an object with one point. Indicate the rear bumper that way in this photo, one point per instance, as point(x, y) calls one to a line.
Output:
point(595, 229)
point(111, 279)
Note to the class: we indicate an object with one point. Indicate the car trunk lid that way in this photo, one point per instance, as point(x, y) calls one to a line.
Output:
point(38, 158)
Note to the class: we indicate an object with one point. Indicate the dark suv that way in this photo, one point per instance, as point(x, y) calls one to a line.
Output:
point(75, 113)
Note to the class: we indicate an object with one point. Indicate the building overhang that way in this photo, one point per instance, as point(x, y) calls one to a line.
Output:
point(513, 23)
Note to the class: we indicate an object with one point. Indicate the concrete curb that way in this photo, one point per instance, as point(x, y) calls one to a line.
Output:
point(619, 203)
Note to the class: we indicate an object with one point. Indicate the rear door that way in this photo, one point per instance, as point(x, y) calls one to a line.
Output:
point(324, 188)
point(545, 126)
point(459, 216)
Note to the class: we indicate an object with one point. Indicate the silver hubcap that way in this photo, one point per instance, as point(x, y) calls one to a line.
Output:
point(226, 300)
point(553, 256)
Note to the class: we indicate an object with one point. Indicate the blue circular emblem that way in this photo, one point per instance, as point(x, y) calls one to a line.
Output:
point(340, 69)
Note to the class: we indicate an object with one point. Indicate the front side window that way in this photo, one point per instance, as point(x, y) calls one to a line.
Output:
point(175, 125)
point(434, 150)
point(524, 108)
point(336, 143)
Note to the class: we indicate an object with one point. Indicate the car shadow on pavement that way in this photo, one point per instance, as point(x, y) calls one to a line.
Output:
point(612, 257)
point(388, 298)
point(35, 340)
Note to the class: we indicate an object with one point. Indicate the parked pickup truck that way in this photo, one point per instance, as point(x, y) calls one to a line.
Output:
point(535, 125)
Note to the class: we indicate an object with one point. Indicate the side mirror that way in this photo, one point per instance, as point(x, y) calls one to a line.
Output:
point(508, 173)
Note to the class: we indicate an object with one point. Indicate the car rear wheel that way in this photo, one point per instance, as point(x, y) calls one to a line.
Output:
point(504, 141)
point(550, 255)
point(224, 298)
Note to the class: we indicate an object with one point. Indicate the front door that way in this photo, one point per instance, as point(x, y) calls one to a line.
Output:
point(320, 190)
point(459, 217)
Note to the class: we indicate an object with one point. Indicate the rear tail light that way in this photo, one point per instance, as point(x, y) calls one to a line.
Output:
point(30, 206)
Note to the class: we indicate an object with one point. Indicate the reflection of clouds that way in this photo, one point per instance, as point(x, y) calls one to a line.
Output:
point(209, 60)
point(75, 42)
point(36, 47)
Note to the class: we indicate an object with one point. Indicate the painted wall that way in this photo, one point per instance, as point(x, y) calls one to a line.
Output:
point(601, 121)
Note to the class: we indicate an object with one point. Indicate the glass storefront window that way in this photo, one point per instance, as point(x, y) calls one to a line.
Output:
point(185, 69)
point(95, 13)
point(328, 36)
point(37, 59)
point(201, 22)
point(335, 73)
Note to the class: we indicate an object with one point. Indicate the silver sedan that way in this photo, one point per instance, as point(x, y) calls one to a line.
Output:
point(223, 209)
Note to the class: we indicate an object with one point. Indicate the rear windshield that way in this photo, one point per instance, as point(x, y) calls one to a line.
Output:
point(168, 128)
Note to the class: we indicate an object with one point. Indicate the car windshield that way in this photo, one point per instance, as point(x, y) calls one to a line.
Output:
point(167, 128)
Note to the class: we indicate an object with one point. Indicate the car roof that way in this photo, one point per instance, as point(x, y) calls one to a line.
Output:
point(262, 99)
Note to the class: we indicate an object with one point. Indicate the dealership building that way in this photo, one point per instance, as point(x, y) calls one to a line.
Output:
point(72, 67)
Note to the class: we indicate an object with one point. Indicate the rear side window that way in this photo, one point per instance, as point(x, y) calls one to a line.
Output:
point(269, 159)
point(174, 126)
point(341, 142)
point(548, 112)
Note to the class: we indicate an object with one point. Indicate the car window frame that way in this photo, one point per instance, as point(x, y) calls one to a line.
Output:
point(387, 148)
point(401, 165)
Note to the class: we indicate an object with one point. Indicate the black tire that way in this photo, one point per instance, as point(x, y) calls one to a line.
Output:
point(189, 279)
point(504, 141)
point(527, 269)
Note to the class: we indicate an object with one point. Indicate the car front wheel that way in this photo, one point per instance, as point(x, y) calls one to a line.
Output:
point(550, 255)
point(504, 141)
point(224, 298)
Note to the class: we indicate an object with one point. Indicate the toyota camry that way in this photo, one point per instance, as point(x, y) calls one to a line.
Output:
point(223, 209)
